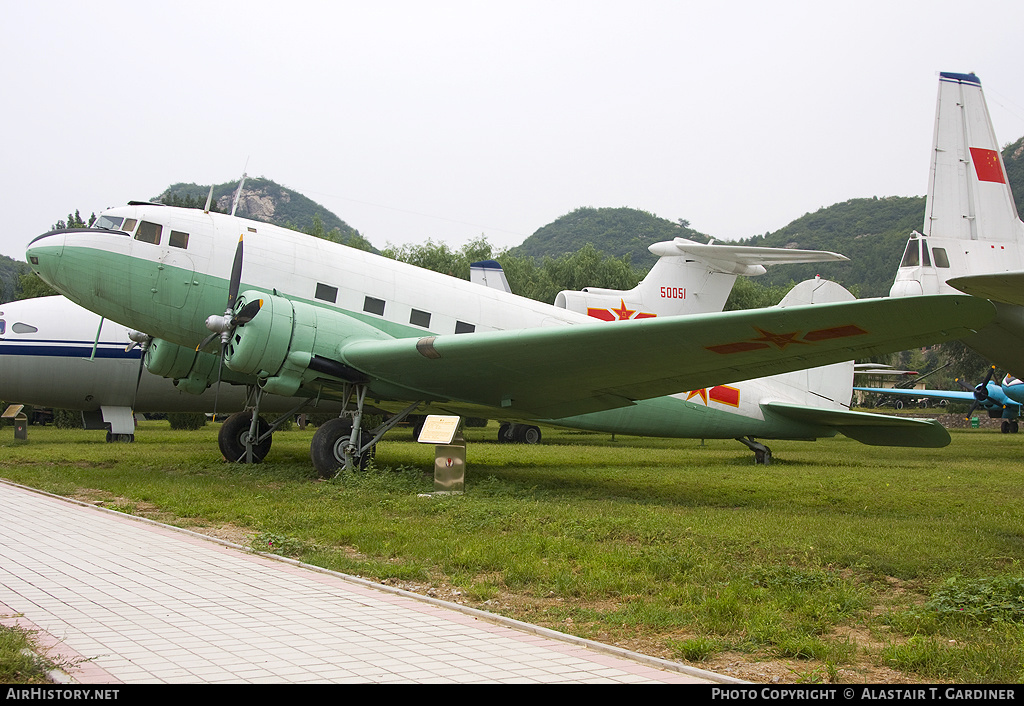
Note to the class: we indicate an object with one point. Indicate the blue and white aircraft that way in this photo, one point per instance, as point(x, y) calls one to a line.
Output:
point(1000, 400)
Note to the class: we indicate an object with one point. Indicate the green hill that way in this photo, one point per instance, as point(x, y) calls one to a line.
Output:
point(264, 200)
point(613, 231)
point(871, 232)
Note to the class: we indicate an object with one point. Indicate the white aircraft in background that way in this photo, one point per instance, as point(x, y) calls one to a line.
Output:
point(54, 353)
point(972, 239)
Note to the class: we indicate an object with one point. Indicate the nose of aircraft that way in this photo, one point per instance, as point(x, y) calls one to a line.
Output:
point(43, 255)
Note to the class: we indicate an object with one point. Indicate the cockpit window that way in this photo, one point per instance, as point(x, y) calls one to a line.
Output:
point(149, 232)
point(3, 327)
point(23, 328)
point(940, 257)
point(109, 222)
point(912, 257)
point(115, 223)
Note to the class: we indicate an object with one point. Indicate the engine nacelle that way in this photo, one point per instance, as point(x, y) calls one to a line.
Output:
point(605, 304)
point(289, 342)
point(191, 371)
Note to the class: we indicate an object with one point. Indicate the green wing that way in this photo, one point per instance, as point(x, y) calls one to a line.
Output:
point(560, 371)
point(870, 429)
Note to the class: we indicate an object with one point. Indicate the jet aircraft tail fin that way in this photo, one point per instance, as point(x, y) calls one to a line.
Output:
point(971, 225)
point(688, 278)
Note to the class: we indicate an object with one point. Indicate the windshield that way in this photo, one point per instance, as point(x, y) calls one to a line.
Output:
point(115, 223)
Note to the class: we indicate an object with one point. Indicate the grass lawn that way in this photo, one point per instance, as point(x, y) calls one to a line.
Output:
point(839, 562)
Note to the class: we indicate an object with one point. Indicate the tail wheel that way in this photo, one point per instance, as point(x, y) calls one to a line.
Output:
point(233, 433)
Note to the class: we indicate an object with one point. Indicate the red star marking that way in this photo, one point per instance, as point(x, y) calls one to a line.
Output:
point(780, 340)
point(702, 393)
point(622, 312)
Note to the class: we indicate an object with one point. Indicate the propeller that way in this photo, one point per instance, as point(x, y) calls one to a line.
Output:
point(980, 391)
point(223, 326)
point(143, 341)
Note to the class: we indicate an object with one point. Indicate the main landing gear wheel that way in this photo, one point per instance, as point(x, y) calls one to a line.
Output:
point(233, 434)
point(333, 448)
point(509, 433)
point(122, 438)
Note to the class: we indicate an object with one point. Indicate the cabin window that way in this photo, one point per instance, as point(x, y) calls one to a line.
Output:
point(420, 318)
point(178, 239)
point(912, 257)
point(326, 292)
point(149, 232)
point(23, 328)
point(462, 327)
point(373, 306)
point(940, 257)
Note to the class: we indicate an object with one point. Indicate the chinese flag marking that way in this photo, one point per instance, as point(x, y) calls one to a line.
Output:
point(987, 165)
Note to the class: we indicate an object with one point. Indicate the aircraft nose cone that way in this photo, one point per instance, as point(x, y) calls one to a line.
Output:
point(43, 255)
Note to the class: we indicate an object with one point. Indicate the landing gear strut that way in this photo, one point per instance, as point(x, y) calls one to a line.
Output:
point(762, 454)
point(343, 443)
point(245, 436)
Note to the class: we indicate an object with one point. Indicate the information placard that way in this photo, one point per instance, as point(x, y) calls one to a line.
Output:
point(438, 429)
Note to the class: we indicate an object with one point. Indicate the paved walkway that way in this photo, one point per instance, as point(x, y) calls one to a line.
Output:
point(131, 601)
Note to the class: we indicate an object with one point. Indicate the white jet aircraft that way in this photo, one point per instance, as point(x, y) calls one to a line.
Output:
point(307, 317)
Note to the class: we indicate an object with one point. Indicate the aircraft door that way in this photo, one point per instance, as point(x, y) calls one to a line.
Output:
point(173, 278)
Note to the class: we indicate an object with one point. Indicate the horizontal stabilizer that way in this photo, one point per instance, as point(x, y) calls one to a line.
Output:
point(867, 428)
point(735, 258)
point(1007, 287)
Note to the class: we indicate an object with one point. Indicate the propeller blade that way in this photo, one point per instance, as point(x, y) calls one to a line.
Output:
point(236, 277)
point(981, 391)
point(144, 346)
point(216, 390)
point(247, 312)
point(206, 341)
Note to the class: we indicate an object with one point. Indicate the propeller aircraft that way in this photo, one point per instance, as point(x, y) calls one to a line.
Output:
point(972, 239)
point(304, 317)
point(1000, 400)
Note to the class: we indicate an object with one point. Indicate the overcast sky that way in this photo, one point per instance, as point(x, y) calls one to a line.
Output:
point(447, 120)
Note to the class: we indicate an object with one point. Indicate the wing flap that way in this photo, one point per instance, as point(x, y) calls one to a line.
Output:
point(867, 428)
point(553, 372)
